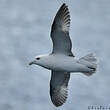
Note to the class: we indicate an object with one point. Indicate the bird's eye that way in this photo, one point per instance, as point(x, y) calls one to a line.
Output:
point(38, 58)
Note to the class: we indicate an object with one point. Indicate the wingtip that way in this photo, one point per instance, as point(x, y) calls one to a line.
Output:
point(64, 5)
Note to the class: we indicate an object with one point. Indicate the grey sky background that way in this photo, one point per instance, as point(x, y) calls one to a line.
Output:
point(25, 32)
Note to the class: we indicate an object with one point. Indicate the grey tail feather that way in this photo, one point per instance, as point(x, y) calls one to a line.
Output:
point(91, 62)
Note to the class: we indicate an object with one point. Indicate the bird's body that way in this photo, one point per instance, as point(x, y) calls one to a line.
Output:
point(62, 61)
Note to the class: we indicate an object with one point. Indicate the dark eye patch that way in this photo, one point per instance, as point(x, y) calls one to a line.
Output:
point(38, 58)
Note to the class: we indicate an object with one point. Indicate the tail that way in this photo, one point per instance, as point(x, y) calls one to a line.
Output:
point(91, 62)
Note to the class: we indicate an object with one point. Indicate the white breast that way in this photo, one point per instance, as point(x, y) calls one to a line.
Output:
point(61, 63)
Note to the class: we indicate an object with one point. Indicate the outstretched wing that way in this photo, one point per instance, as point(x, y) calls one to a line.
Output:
point(60, 32)
point(58, 87)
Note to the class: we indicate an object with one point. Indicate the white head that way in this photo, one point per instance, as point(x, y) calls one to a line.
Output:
point(40, 60)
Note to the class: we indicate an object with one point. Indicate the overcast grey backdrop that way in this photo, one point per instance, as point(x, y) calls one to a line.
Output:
point(24, 33)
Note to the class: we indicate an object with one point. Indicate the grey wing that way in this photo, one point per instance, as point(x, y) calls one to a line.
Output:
point(60, 32)
point(58, 87)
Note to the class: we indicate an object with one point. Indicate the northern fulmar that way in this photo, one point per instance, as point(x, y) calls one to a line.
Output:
point(62, 61)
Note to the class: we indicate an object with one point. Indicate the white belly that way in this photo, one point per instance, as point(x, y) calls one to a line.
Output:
point(65, 63)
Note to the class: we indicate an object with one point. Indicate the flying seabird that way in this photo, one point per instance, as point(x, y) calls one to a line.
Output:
point(62, 61)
